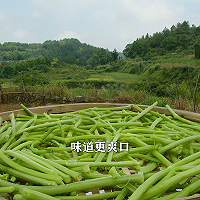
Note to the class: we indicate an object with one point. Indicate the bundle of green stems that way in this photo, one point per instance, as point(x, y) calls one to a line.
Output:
point(135, 155)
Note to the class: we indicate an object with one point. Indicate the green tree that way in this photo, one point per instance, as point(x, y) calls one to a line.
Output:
point(32, 77)
point(197, 51)
point(166, 32)
point(7, 71)
point(169, 43)
point(183, 41)
point(157, 40)
point(183, 28)
point(115, 55)
point(179, 37)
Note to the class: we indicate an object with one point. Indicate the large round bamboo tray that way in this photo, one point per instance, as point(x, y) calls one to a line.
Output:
point(62, 108)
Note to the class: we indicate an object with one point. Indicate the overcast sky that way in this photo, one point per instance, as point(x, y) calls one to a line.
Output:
point(103, 23)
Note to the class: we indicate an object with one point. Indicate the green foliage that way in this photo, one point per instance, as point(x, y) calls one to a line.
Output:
point(70, 51)
point(66, 51)
point(171, 74)
point(164, 81)
point(153, 68)
point(122, 66)
point(31, 77)
point(169, 43)
point(77, 73)
point(14, 68)
point(197, 51)
point(178, 38)
point(102, 57)
point(7, 71)
point(114, 55)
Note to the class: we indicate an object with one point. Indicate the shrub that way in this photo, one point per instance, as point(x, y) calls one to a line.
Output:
point(31, 77)
point(139, 96)
point(55, 90)
point(123, 97)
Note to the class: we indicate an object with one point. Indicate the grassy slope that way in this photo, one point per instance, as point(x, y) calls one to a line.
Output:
point(177, 59)
point(169, 71)
point(142, 86)
point(116, 76)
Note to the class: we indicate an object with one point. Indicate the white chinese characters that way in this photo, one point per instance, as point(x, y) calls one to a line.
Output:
point(91, 147)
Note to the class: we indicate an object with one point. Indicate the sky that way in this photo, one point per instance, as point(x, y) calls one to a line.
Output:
point(110, 24)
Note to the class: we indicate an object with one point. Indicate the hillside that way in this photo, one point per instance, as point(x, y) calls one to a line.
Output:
point(33, 61)
point(165, 66)
point(66, 51)
point(179, 38)
point(153, 69)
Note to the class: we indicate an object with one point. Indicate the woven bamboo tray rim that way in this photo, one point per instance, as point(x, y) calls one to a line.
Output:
point(62, 108)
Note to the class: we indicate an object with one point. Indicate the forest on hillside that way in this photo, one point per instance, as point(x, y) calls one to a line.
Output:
point(180, 37)
point(70, 51)
point(33, 60)
point(22, 58)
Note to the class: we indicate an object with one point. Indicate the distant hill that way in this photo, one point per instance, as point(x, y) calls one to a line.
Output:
point(180, 37)
point(67, 50)
point(70, 51)
point(22, 59)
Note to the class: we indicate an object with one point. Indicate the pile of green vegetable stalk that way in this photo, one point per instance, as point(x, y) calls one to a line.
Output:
point(127, 155)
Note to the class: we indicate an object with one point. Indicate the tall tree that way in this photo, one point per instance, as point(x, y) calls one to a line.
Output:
point(197, 51)
point(115, 55)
